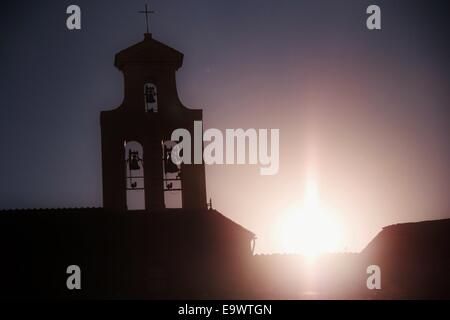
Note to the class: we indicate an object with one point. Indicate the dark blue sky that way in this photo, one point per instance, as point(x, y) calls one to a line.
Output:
point(373, 105)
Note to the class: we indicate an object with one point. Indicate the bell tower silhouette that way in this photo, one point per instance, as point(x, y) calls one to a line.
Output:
point(136, 135)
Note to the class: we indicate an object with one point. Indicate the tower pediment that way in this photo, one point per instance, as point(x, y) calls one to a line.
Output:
point(149, 51)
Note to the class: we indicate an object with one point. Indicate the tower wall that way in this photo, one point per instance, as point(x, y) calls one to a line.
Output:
point(148, 62)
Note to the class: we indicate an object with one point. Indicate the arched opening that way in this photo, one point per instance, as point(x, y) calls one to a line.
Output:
point(150, 98)
point(134, 173)
point(172, 178)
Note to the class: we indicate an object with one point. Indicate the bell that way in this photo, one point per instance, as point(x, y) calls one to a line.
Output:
point(170, 167)
point(150, 95)
point(133, 160)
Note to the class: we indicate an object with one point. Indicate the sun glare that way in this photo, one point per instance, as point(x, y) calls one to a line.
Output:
point(309, 228)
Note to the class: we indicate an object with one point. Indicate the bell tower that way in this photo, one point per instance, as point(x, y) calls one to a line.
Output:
point(136, 166)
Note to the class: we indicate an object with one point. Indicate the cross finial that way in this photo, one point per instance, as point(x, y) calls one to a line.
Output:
point(146, 11)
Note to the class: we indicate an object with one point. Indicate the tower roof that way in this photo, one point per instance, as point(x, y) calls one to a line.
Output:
point(149, 51)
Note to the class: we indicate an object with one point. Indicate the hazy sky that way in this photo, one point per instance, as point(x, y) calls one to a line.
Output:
point(365, 112)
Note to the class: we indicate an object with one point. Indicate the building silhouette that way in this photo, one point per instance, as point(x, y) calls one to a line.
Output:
point(150, 112)
point(414, 259)
point(155, 237)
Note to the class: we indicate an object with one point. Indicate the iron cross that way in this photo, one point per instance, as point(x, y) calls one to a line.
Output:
point(146, 11)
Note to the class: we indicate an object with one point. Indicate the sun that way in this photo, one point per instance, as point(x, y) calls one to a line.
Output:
point(310, 228)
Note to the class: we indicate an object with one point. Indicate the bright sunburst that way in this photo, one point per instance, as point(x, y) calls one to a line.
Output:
point(309, 228)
